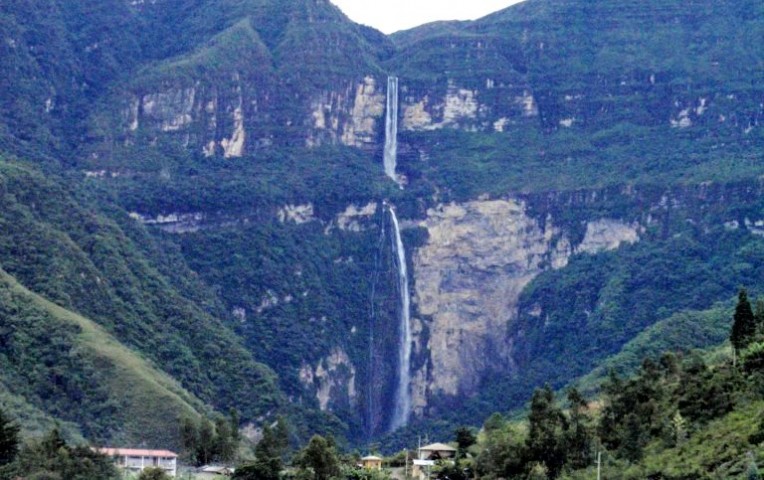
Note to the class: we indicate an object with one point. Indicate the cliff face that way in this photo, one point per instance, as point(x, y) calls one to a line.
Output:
point(334, 381)
point(468, 278)
point(536, 153)
point(236, 116)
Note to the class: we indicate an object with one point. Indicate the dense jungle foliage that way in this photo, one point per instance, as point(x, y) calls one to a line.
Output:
point(648, 112)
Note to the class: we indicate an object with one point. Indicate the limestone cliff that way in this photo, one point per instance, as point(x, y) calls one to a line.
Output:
point(489, 107)
point(235, 117)
point(349, 117)
point(333, 380)
point(468, 280)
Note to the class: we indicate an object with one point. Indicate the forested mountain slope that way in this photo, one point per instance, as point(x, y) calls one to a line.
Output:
point(66, 250)
point(573, 172)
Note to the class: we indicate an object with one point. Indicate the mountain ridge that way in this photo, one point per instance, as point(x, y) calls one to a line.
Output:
point(236, 170)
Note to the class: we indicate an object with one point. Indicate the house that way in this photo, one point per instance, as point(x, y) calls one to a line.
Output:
point(436, 451)
point(136, 460)
point(427, 456)
point(371, 462)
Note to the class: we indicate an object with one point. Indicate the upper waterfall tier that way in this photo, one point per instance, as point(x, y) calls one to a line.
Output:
point(391, 128)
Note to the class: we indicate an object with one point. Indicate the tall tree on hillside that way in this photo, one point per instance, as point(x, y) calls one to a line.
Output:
point(547, 427)
point(464, 440)
point(320, 456)
point(281, 438)
point(267, 464)
point(52, 458)
point(744, 324)
point(753, 471)
point(9, 439)
point(758, 316)
point(579, 436)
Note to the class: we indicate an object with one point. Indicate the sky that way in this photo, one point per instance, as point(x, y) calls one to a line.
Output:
point(392, 15)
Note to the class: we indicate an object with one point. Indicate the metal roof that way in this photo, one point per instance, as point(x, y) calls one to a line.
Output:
point(438, 447)
point(137, 452)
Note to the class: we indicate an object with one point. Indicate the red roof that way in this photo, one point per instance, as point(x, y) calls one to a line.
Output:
point(136, 452)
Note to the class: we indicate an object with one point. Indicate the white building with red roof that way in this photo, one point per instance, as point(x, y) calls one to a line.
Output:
point(136, 459)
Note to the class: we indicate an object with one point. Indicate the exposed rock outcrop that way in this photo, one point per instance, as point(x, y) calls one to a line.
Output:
point(468, 280)
point(333, 380)
point(349, 116)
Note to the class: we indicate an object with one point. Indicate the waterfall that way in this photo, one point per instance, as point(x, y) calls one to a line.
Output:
point(391, 127)
point(402, 407)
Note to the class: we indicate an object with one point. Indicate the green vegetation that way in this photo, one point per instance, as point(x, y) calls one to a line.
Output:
point(153, 473)
point(319, 459)
point(675, 419)
point(51, 458)
point(643, 111)
point(55, 358)
point(682, 331)
point(743, 324)
point(465, 165)
point(205, 442)
point(270, 455)
point(134, 294)
point(613, 309)
point(9, 440)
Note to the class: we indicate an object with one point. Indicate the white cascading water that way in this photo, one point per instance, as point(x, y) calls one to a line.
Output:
point(391, 128)
point(402, 407)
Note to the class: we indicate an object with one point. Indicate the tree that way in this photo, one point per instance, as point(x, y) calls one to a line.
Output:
point(503, 455)
point(450, 471)
point(281, 436)
point(743, 325)
point(204, 441)
point(268, 458)
point(579, 437)
point(547, 427)
point(757, 437)
point(189, 433)
point(752, 358)
point(753, 471)
point(225, 440)
point(207, 442)
point(52, 458)
point(758, 316)
point(9, 439)
point(538, 471)
point(679, 426)
point(494, 422)
point(320, 456)
point(153, 473)
point(464, 440)
point(634, 439)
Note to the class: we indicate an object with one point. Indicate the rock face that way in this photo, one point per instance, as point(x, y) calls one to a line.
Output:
point(490, 108)
point(468, 280)
point(353, 217)
point(333, 379)
point(349, 117)
point(296, 213)
point(234, 120)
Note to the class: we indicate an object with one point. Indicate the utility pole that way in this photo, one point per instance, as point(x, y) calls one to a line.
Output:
point(599, 464)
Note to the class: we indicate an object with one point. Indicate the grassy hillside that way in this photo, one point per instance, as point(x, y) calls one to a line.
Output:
point(53, 359)
point(630, 102)
point(685, 415)
point(105, 267)
point(680, 332)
